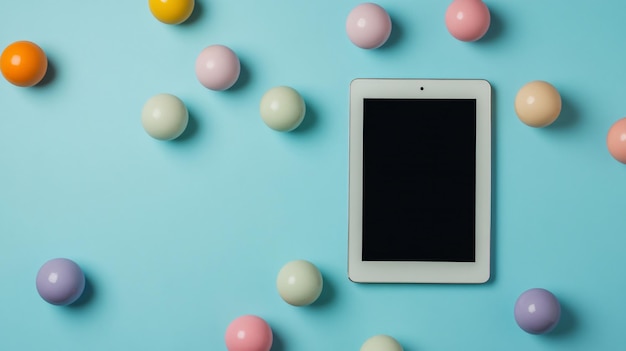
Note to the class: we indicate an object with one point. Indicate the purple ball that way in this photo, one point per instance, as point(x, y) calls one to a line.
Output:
point(537, 311)
point(60, 281)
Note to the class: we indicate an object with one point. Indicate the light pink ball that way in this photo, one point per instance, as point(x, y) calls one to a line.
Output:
point(468, 20)
point(368, 26)
point(249, 333)
point(217, 67)
point(616, 140)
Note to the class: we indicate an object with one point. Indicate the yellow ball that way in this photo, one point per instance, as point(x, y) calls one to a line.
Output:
point(171, 11)
point(538, 104)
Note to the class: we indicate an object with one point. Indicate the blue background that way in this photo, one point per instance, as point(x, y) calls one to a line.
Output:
point(179, 238)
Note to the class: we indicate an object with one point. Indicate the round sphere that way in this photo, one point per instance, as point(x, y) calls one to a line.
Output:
point(60, 281)
point(538, 104)
point(248, 333)
point(381, 343)
point(468, 20)
point(217, 67)
point(23, 63)
point(299, 283)
point(282, 109)
point(368, 26)
point(171, 11)
point(164, 117)
point(537, 311)
point(616, 140)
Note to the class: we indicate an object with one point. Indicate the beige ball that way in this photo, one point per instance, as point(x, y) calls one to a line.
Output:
point(164, 117)
point(538, 104)
point(282, 109)
point(299, 283)
point(381, 343)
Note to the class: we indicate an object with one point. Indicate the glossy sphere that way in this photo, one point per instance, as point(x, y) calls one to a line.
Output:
point(468, 20)
point(282, 109)
point(299, 283)
point(537, 311)
point(60, 281)
point(171, 11)
point(248, 333)
point(217, 67)
point(538, 104)
point(23, 63)
point(164, 117)
point(381, 343)
point(368, 26)
point(616, 140)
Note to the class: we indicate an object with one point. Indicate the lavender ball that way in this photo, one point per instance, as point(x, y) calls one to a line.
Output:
point(537, 311)
point(60, 281)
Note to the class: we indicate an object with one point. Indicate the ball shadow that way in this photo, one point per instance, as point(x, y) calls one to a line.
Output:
point(328, 294)
point(406, 346)
point(496, 28)
point(309, 122)
point(87, 296)
point(397, 33)
point(196, 15)
point(567, 324)
point(244, 77)
point(568, 117)
point(278, 343)
point(191, 130)
point(50, 75)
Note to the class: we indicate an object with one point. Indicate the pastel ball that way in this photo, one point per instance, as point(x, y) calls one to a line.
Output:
point(368, 26)
point(164, 117)
point(299, 283)
point(217, 67)
point(381, 343)
point(23, 63)
point(537, 311)
point(538, 104)
point(60, 281)
point(616, 140)
point(171, 11)
point(468, 20)
point(248, 333)
point(282, 109)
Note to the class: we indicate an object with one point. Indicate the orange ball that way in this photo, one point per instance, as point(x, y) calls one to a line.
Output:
point(23, 63)
point(616, 140)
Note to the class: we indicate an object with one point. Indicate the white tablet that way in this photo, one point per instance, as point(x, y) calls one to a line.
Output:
point(420, 181)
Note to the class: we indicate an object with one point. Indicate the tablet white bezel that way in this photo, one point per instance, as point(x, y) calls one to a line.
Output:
point(421, 271)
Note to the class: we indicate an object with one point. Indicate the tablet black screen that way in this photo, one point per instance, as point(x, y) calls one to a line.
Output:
point(419, 175)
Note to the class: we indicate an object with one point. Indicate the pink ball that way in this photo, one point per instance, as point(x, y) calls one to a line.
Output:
point(368, 26)
point(616, 140)
point(249, 333)
point(468, 20)
point(217, 67)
